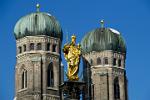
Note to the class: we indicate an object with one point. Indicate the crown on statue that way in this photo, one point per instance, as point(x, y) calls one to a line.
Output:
point(73, 37)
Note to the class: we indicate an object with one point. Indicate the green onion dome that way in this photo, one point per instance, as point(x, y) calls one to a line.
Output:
point(38, 23)
point(101, 39)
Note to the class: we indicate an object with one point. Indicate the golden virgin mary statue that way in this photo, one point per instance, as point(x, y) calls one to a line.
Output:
point(72, 54)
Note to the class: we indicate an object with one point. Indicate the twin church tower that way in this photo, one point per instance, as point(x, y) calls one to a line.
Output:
point(39, 70)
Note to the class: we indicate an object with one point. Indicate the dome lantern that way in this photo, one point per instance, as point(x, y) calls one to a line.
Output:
point(102, 23)
point(37, 7)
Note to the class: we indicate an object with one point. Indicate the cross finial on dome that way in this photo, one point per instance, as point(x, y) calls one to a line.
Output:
point(102, 23)
point(37, 7)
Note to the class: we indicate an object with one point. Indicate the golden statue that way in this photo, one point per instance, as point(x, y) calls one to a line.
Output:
point(72, 54)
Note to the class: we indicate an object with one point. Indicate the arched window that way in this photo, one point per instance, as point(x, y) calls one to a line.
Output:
point(20, 49)
point(106, 60)
point(99, 61)
point(24, 47)
point(36, 17)
point(24, 79)
point(114, 61)
point(119, 62)
point(31, 46)
point(116, 88)
point(48, 47)
point(22, 86)
point(39, 46)
point(54, 48)
point(50, 75)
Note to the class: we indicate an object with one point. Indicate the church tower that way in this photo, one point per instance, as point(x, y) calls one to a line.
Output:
point(104, 54)
point(38, 42)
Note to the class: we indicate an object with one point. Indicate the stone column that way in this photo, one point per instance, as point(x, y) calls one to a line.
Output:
point(57, 48)
point(44, 75)
point(44, 46)
point(111, 86)
point(122, 87)
point(30, 78)
point(16, 80)
point(28, 46)
point(56, 72)
point(51, 47)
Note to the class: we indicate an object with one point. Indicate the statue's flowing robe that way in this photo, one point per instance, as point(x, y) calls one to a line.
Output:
point(72, 55)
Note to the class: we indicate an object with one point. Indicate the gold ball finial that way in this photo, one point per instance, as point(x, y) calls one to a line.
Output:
point(102, 23)
point(38, 7)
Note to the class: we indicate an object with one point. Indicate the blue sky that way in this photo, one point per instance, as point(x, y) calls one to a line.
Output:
point(130, 17)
